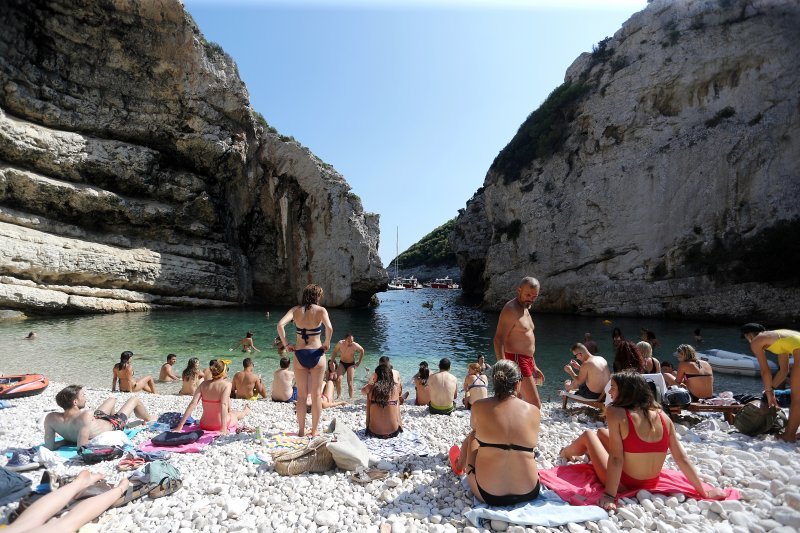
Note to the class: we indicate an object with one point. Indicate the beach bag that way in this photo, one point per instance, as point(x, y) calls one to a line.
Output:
point(92, 453)
point(177, 438)
point(676, 398)
point(349, 453)
point(314, 457)
point(755, 420)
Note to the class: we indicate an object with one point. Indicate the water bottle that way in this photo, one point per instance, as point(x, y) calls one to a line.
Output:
point(258, 435)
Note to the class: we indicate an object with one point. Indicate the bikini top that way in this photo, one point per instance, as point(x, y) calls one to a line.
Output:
point(634, 444)
point(508, 447)
point(305, 333)
point(476, 384)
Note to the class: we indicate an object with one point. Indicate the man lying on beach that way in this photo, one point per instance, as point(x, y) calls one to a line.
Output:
point(166, 375)
point(247, 385)
point(593, 373)
point(78, 426)
point(444, 389)
point(283, 389)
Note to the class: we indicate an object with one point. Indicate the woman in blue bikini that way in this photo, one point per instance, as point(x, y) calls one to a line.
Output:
point(309, 350)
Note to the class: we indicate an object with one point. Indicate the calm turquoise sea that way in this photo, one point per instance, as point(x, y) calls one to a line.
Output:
point(83, 349)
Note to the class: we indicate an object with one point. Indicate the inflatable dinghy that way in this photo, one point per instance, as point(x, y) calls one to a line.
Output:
point(739, 364)
point(22, 385)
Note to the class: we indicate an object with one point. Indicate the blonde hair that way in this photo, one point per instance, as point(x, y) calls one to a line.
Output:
point(645, 349)
point(688, 352)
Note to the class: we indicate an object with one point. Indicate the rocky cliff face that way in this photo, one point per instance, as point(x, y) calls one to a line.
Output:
point(660, 179)
point(133, 174)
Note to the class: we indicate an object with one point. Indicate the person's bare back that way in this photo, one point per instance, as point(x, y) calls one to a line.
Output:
point(247, 385)
point(443, 386)
point(282, 383)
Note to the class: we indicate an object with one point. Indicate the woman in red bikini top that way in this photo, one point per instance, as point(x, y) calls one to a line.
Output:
point(631, 452)
point(216, 397)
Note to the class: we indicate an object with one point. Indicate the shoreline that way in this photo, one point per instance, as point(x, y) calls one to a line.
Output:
point(223, 492)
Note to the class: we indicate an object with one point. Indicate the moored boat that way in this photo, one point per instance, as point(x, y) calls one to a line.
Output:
point(726, 362)
point(22, 385)
point(442, 283)
point(410, 283)
point(396, 285)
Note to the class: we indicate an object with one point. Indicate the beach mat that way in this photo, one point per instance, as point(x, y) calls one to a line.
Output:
point(407, 443)
point(71, 450)
point(546, 510)
point(284, 441)
point(578, 484)
point(194, 447)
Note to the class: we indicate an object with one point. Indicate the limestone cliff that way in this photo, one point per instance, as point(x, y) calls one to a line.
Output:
point(134, 174)
point(660, 179)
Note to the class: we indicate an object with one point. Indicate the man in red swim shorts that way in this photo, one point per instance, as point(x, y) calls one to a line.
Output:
point(514, 338)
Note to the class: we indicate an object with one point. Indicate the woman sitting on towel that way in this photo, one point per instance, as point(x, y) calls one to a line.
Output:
point(474, 385)
point(498, 453)
point(216, 397)
point(693, 374)
point(383, 410)
point(191, 377)
point(631, 452)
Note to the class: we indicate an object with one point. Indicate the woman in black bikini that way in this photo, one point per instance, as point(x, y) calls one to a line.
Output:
point(498, 454)
point(309, 351)
point(694, 374)
point(383, 410)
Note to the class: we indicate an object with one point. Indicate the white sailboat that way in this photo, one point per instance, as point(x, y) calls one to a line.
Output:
point(396, 284)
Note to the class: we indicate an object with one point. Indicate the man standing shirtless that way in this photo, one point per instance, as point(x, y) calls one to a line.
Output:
point(167, 374)
point(346, 349)
point(514, 337)
point(80, 426)
point(247, 385)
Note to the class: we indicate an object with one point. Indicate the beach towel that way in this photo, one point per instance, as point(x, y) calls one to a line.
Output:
point(194, 447)
point(283, 441)
point(578, 484)
point(407, 443)
point(69, 451)
point(13, 486)
point(546, 510)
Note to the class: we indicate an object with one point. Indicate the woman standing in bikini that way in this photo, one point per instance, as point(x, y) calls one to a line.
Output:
point(632, 451)
point(498, 453)
point(216, 397)
point(783, 343)
point(309, 350)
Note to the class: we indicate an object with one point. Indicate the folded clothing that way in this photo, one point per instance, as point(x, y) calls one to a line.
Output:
point(177, 438)
point(208, 436)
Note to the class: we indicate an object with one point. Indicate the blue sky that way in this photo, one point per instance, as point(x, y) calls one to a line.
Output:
point(410, 100)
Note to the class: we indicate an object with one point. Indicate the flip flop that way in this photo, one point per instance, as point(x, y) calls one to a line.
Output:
point(455, 452)
point(368, 476)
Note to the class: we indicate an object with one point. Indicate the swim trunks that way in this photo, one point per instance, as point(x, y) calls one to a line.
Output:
point(292, 399)
point(584, 392)
point(117, 421)
point(346, 365)
point(309, 357)
point(437, 410)
point(527, 366)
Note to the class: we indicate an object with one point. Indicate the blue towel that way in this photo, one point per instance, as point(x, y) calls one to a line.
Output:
point(71, 450)
point(547, 510)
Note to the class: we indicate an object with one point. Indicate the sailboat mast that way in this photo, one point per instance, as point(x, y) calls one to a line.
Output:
point(396, 252)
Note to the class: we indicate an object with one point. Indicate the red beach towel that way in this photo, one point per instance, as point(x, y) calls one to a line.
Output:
point(578, 484)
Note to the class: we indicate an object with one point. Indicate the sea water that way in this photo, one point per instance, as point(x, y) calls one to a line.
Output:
point(409, 326)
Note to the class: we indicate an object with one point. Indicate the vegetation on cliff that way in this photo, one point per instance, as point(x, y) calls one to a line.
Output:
point(432, 250)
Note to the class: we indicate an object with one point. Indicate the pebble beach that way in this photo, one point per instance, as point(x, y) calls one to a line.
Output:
point(223, 492)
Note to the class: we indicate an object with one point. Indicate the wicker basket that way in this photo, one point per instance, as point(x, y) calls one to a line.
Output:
point(315, 457)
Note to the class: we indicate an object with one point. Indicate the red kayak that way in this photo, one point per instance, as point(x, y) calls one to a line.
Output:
point(22, 385)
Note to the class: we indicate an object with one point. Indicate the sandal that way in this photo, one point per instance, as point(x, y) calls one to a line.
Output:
point(130, 462)
point(166, 487)
point(132, 493)
point(368, 476)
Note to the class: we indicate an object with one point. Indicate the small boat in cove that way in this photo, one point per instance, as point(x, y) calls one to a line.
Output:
point(22, 385)
point(442, 283)
point(396, 285)
point(739, 364)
